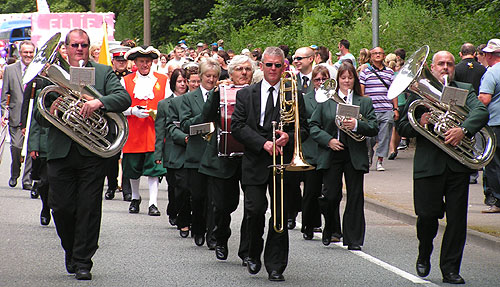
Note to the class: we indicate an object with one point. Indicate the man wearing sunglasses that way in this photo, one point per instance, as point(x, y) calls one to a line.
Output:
point(303, 61)
point(75, 174)
point(257, 106)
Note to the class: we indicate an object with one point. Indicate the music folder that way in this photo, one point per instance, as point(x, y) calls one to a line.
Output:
point(454, 96)
point(201, 129)
point(348, 111)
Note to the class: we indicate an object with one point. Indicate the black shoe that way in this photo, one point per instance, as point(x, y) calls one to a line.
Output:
point(291, 223)
point(253, 265)
point(221, 252)
point(83, 274)
point(27, 186)
point(211, 244)
point(70, 267)
point(326, 238)
point(44, 218)
point(172, 220)
point(308, 234)
point(199, 240)
point(110, 194)
point(127, 197)
point(12, 182)
point(453, 278)
point(153, 211)
point(276, 276)
point(184, 233)
point(134, 205)
point(244, 262)
point(34, 190)
point(354, 247)
point(423, 267)
point(393, 155)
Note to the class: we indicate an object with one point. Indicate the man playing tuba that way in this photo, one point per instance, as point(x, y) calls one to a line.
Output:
point(441, 183)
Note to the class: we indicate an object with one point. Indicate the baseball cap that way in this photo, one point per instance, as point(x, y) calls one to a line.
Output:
point(493, 46)
point(199, 44)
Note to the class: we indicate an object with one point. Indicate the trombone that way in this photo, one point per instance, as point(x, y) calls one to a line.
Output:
point(289, 113)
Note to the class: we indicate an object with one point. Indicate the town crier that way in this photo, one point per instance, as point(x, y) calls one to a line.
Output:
point(146, 88)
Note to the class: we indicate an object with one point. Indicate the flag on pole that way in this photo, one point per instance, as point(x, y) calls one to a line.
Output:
point(42, 6)
point(104, 57)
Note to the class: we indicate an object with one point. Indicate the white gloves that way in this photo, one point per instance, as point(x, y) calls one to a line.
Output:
point(137, 111)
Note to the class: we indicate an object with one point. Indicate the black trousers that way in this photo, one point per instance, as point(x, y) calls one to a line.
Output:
point(112, 171)
point(182, 197)
point(198, 184)
point(39, 173)
point(226, 193)
point(354, 217)
point(276, 249)
point(171, 208)
point(311, 215)
point(75, 196)
point(433, 197)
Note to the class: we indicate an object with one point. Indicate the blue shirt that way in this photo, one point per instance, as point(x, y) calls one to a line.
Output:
point(490, 84)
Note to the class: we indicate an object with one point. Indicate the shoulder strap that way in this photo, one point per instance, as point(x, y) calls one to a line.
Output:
point(378, 76)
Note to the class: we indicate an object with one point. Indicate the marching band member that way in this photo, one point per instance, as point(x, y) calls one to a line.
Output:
point(224, 173)
point(256, 107)
point(339, 154)
point(436, 175)
point(146, 88)
point(76, 175)
point(164, 142)
point(191, 114)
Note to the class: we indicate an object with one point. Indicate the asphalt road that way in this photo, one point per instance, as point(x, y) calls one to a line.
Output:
point(139, 250)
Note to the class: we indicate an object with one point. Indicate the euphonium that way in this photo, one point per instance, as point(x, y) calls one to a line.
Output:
point(103, 133)
point(415, 76)
point(289, 114)
point(328, 91)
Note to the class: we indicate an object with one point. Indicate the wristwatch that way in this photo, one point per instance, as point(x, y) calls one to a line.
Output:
point(466, 132)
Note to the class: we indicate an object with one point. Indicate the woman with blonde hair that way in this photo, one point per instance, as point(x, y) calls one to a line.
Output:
point(94, 52)
point(363, 59)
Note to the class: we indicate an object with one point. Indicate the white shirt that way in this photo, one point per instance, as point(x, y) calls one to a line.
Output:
point(264, 93)
point(309, 76)
point(204, 93)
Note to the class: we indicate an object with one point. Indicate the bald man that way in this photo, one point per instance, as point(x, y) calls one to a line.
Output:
point(440, 179)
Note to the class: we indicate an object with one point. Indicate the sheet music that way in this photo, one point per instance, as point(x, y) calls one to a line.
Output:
point(82, 76)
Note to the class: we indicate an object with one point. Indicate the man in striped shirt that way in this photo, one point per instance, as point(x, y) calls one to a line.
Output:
point(375, 81)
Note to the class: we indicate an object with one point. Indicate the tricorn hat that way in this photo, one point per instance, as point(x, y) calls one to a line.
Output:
point(142, 51)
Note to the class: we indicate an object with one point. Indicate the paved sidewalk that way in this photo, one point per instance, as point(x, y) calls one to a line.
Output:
point(391, 192)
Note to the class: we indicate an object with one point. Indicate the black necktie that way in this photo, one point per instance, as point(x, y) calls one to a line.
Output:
point(269, 108)
point(345, 99)
point(304, 82)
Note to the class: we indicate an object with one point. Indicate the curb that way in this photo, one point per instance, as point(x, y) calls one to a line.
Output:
point(479, 238)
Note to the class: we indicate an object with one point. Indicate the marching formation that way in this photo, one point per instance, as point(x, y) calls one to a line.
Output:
point(214, 123)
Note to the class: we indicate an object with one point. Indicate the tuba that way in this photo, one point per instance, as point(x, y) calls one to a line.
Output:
point(415, 76)
point(326, 92)
point(102, 133)
point(289, 114)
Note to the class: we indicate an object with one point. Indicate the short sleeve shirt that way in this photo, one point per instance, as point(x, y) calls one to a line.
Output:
point(375, 89)
point(490, 84)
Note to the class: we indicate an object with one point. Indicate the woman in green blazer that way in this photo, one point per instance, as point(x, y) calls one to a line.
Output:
point(339, 154)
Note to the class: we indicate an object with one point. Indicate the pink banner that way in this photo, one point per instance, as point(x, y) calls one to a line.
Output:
point(44, 25)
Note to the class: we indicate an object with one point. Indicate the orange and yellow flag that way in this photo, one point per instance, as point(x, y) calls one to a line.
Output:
point(104, 57)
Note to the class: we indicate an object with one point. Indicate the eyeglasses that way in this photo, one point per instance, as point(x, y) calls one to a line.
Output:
point(378, 53)
point(319, 80)
point(75, 45)
point(248, 69)
point(301, 58)
point(277, 65)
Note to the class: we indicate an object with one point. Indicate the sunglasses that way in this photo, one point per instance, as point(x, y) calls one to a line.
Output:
point(318, 80)
point(301, 58)
point(75, 45)
point(277, 65)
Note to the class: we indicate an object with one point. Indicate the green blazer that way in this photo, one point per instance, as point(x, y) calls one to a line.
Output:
point(191, 114)
point(115, 99)
point(177, 155)
point(211, 164)
point(323, 129)
point(310, 87)
point(429, 159)
point(163, 143)
point(37, 140)
point(310, 146)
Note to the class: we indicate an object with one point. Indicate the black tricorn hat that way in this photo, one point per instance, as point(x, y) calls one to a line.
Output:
point(142, 51)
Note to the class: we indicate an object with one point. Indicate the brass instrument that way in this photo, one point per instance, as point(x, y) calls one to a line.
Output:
point(328, 91)
point(289, 113)
point(102, 133)
point(415, 76)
